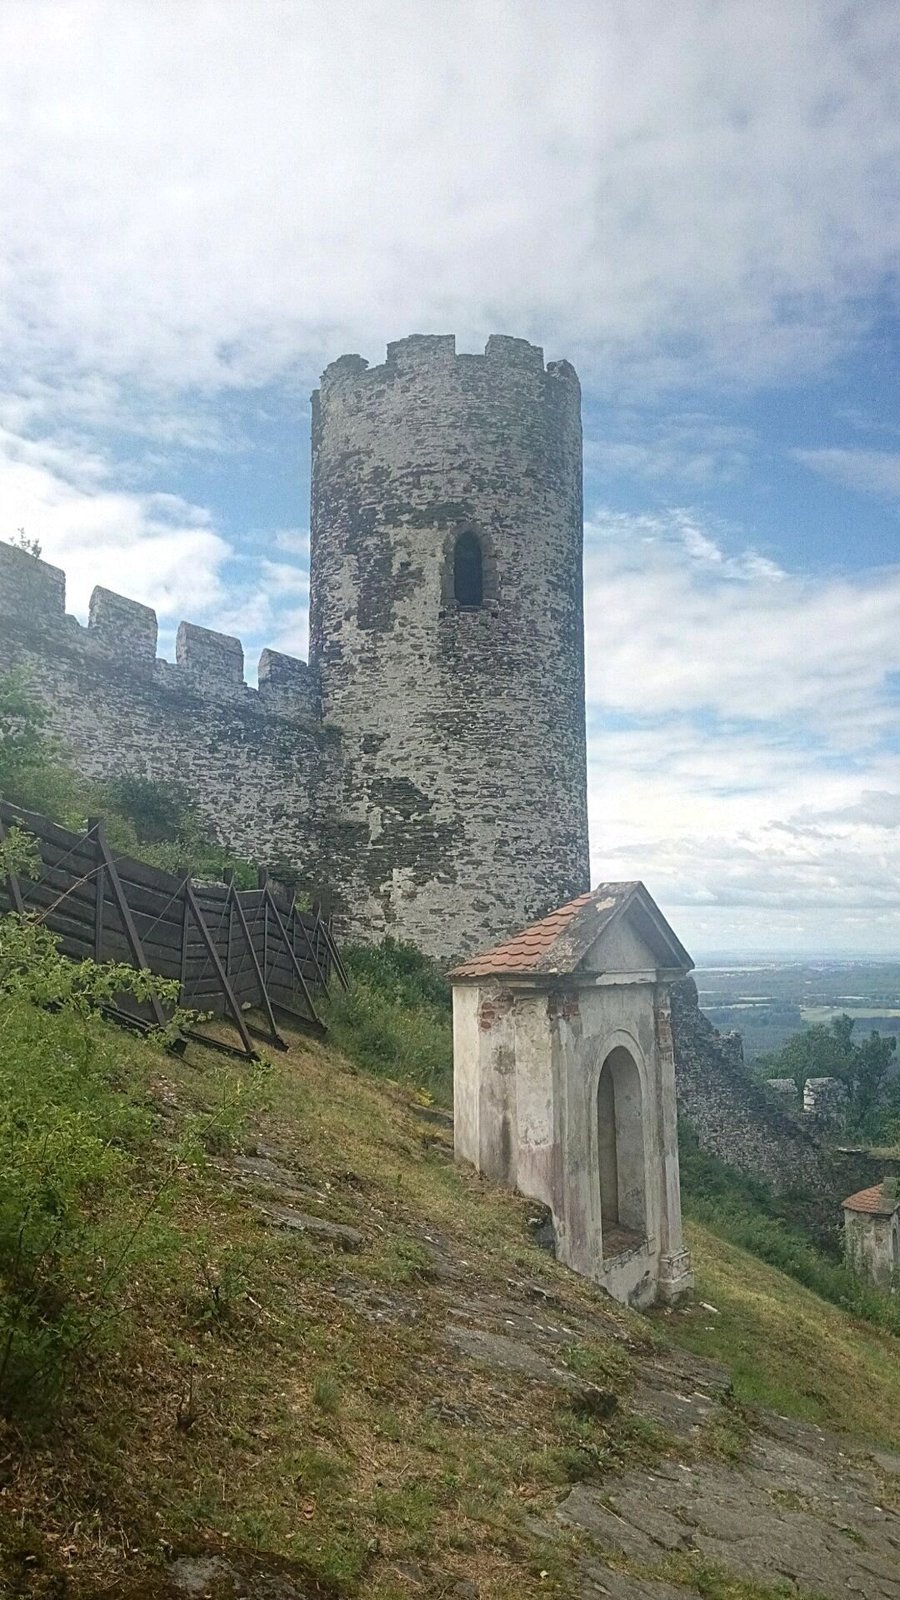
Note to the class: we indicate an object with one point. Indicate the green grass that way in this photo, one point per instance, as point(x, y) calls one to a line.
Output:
point(785, 1346)
point(395, 1021)
point(745, 1212)
point(257, 1394)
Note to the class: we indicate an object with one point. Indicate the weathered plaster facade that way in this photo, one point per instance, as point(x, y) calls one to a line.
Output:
point(564, 1084)
point(872, 1235)
point(426, 772)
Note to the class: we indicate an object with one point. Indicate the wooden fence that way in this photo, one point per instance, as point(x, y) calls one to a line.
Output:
point(232, 951)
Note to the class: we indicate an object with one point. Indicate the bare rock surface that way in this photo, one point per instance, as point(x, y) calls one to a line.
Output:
point(813, 1522)
point(265, 1172)
point(319, 1228)
point(800, 1510)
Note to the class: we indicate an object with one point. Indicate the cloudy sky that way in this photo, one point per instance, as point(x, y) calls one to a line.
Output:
point(204, 201)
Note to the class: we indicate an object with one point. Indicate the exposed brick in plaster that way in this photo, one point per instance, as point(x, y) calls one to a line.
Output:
point(563, 1006)
point(493, 1006)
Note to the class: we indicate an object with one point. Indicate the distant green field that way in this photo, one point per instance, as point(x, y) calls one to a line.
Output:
point(768, 1001)
point(825, 1013)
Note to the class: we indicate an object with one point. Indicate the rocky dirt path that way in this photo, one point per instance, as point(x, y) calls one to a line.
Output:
point(798, 1508)
point(787, 1507)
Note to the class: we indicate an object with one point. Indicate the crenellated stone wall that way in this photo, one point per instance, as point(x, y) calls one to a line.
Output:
point(265, 772)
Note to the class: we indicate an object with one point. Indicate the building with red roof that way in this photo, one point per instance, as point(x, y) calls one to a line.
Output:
point(564, 1083)
point(872, 1233)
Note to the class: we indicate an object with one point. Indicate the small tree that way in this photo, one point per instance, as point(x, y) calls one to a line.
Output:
point(822, 1051)
point(32, 547)
point(829, 1051)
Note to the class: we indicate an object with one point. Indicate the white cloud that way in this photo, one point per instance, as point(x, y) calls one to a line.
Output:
point(205, 193)
point(873, 471)
point(686, 626)
point(744, 758)
point(153, 547)
point(196, 198)
point(272, 609)
point(691, 449)
point(877, 807)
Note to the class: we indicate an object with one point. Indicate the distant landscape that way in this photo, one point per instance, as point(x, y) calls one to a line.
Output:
point(766, 1000)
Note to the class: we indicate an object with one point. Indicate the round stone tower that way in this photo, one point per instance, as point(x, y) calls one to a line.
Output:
point(446, 627)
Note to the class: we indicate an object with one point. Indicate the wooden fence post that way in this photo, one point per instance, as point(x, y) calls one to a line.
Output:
point(212, 952)
point(266, 1003)
point(276, 918)
point(95, 830)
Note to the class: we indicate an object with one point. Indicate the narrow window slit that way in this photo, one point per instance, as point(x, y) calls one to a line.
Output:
point(468, 576)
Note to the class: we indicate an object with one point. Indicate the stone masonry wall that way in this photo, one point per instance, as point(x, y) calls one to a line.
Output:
point(464, 728)
point(258, 762)
point(743, 1124)
point(733, 1116)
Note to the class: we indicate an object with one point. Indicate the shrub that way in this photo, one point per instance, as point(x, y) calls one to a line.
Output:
point(72, 1134)
point(33, 771)
point(396, 1021)
point(746, 1213)
point(153, 819)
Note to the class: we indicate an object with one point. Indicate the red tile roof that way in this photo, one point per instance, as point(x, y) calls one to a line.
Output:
point(557, 943)
point(873, 1200)
point(523, 953)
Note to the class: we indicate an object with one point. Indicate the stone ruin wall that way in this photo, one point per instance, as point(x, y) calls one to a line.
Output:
point(738, 1120)
point(262, 769)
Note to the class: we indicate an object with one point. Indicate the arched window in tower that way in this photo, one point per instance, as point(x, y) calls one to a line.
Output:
point(468, 575)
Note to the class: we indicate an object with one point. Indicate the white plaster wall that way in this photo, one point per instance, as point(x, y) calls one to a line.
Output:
point(527, 1066)
point(610, 1018)
point(536, 1103)
point(497, 1112)
point(619, 949)
point(466, 1072)
point(870, 1246)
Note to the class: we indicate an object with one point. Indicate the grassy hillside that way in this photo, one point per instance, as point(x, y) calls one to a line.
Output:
point(785, 1346)
point(390, 1411)
point(260, 1387)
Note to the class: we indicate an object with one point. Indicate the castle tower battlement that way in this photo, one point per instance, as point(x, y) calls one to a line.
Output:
point(446, 630)
point(424, 773)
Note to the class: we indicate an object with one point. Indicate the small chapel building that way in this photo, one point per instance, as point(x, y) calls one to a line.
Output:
point(872, 1234)
point(564, 1084)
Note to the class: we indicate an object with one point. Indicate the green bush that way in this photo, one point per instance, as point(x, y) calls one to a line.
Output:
point(150, 818)
point(746, 1213)
point(396, 1020)
point(72, 1139)
point(159, 823)
point(33, 772)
